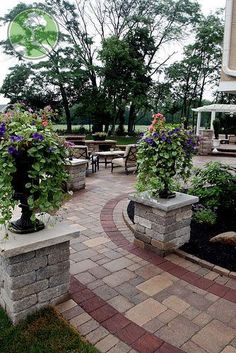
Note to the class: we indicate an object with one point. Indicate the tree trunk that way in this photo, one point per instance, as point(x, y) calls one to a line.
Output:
point(121, 119)
point(131, 120)
point(66, 108)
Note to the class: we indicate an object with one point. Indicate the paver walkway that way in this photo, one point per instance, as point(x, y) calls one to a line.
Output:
point(125, 299)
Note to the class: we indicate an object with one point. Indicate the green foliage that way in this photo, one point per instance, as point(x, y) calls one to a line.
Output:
point(29, 135)
point(43, 332)
point(163, 153)
point(205, 216)
point(215, 185)
point(199, 67)
point(106, 75)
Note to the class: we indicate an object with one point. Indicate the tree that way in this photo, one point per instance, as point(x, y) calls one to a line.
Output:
point(91, 33)
point(200, 67)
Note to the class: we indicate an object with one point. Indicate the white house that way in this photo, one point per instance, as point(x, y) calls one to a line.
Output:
point(228, 76)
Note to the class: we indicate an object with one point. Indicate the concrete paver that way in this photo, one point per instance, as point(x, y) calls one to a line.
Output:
point(173, 311)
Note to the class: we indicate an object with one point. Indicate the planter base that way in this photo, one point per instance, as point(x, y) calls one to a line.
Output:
point(167, 194)
point(162, 225)
point(34, 269)
point(20, 227)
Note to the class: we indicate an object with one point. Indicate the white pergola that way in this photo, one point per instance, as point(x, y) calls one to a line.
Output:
point(213, 109)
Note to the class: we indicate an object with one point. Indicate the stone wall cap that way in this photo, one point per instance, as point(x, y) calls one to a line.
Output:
point(76, 161)
point(54, 233)
point(181, 200)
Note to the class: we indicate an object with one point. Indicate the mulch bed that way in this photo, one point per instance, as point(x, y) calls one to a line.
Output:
point(199, 244)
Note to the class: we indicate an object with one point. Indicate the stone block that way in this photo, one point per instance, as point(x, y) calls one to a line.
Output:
point(143, 222)
point(143, 237)
point(52, 293)
point(59, 279)
point(20, 281)
point(140, 229)
point(185, 214)
point(61, 299)
point(52, 270)
point(58, 256)
point(28, 290)
point(20, 305)
point(52, 249)
point(26, 266)
point(16, 317)
point(20, 258)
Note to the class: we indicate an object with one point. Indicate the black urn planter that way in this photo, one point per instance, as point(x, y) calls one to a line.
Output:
point(20, 178)
point(166, 194)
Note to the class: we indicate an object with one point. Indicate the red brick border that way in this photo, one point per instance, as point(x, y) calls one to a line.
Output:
point(115, 322)
point(116, 236)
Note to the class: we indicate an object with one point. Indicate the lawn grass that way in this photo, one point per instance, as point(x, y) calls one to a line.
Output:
point(43, 332)
point(121, 140)
point(138, 128)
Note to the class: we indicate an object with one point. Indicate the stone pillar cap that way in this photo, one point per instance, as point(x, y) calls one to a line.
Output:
point(54, 233)
point(75, 161)
point(181, 200)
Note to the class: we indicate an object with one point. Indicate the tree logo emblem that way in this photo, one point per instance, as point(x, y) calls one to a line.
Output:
point(33, 33)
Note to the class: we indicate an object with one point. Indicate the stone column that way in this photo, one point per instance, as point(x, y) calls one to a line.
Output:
point(162, 225)
point(34, 270)
point(205, 147)
point(199, 117)
point(77, 174)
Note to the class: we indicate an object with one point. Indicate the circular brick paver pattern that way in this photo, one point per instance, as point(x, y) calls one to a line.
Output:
point(126, 299)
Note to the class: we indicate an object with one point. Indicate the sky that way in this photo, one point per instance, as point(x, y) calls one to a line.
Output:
point(6, 61)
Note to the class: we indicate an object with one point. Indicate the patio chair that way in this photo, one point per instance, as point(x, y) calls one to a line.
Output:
point(128, 161)
point(81, 152)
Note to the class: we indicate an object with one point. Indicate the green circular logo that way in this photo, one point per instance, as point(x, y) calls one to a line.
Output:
point(33, 33)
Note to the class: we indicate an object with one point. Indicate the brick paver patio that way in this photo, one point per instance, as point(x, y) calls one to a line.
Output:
point(126, 299)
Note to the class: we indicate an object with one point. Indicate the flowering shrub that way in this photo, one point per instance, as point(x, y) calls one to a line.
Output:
point(100, 134)
point(164, 152)
point(25, 134)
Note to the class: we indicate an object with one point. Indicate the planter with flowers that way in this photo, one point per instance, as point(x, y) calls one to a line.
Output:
point(34, 268)
point(32, 167)
point(163, 216)
point(99, 136)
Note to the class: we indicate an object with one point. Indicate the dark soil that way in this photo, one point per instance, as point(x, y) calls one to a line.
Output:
point(199, 244)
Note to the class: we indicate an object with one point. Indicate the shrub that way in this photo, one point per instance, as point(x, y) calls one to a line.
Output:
point(215, 185)
point(205, 216)
point(164, 153)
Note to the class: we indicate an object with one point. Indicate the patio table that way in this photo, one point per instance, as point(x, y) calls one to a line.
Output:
point(108, 156)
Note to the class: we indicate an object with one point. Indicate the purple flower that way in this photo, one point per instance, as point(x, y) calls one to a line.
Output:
point(155, 134)
point(2, 129)
point(50, 149)
point(37, 136)
point(68, 144)
point(16, 138)
point(12, 150)
point(141, 135)
point(163, 137)
point(177, 129)
point(190, 142)
point(150, 141)
point(168, 140)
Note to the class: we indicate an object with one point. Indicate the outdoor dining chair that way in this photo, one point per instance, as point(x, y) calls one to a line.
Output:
point(128, 161)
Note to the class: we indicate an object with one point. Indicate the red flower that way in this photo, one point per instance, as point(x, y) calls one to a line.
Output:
point(45, 123)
